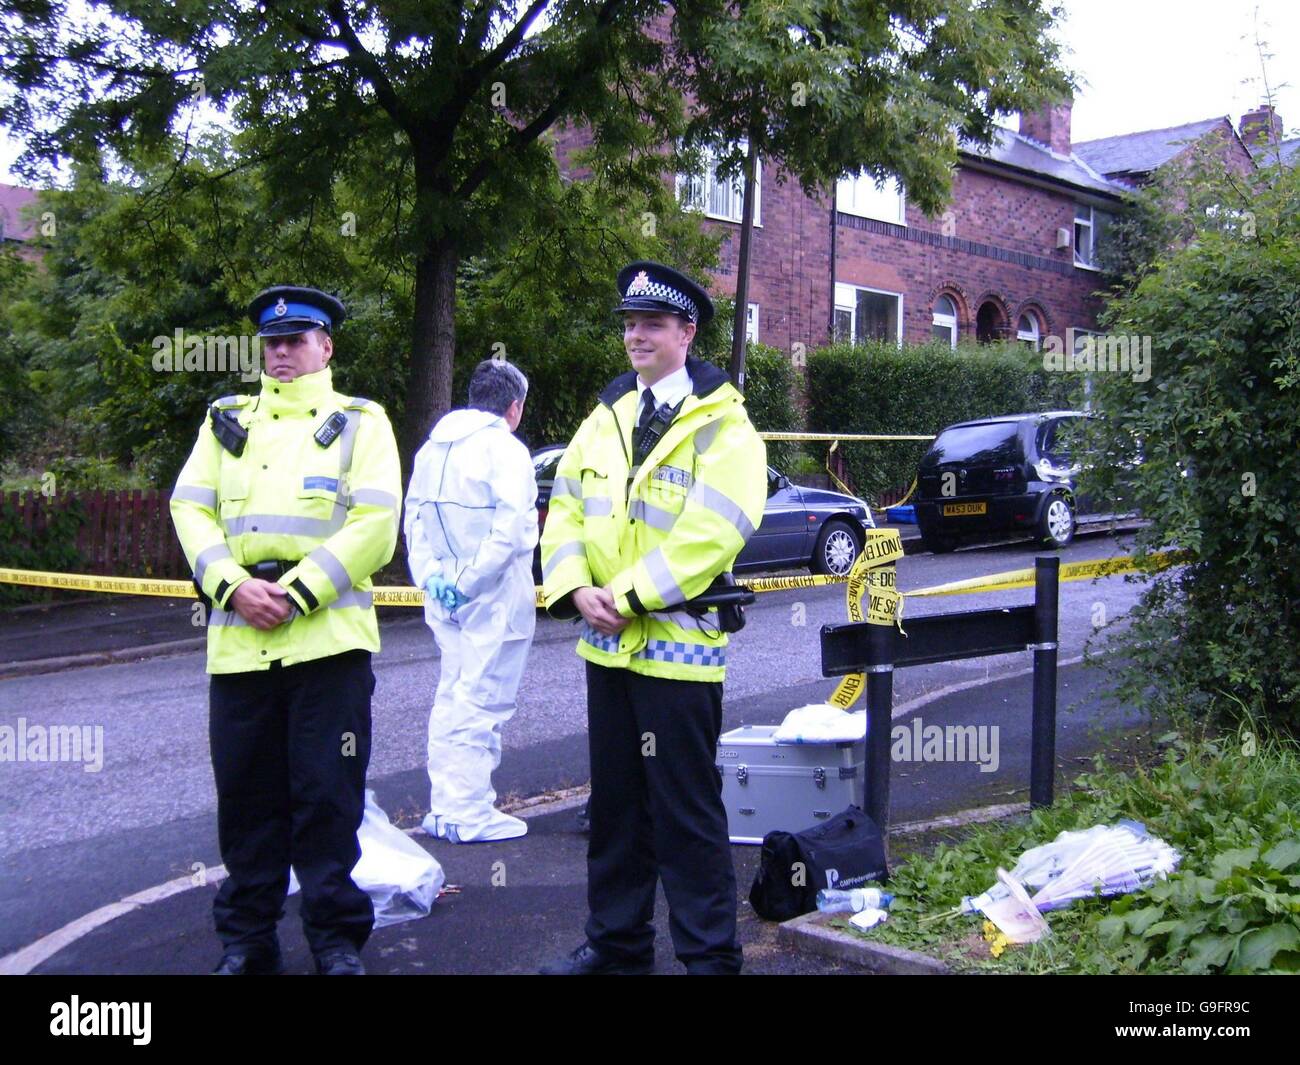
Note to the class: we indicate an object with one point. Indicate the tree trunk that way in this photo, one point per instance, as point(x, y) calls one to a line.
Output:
point(739, 338)
point(433, 345)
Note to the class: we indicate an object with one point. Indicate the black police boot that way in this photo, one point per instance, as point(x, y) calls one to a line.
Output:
point(249, 963)
point(588, 961)
point(340, 963)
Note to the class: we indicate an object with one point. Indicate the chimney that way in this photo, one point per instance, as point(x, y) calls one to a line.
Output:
point(1260, 127)
point(1050, 125)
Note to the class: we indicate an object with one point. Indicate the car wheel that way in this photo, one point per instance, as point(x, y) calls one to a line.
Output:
point(1056, 526)
point(939, 545)
point(837, 548)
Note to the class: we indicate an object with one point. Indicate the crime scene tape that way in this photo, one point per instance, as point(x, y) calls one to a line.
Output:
point(850, 437)
point(872, 584)
point(397, 595)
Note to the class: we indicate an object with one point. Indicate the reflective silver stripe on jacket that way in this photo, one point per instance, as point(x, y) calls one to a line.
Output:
point(689, 654)
point(195, 494)
point(207, 556)
point(705, 436)
point(566, 486)
point(662, 578)
point(573, 547)
point(375, 497)
point(282, 524)
point(597, 507)
point(334, 569)
point(655, 517)
point(711, 499)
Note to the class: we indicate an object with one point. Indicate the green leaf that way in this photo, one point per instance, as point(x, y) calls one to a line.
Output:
point(1226, 861)
point(1210, 951)
point(1283, 855)
point(1256, 949)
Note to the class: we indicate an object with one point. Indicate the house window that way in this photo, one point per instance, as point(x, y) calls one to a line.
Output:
point(867, 314)
point(1028, 331)
point(717, 197)
point(751, 323)
point(1089, 232)
point(945, 320)
point(861, 196)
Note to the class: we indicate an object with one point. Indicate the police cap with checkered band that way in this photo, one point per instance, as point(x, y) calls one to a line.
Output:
point(648, 286)
point(287, 309)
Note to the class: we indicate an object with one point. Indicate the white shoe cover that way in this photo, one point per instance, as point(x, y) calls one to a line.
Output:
point(494, 826)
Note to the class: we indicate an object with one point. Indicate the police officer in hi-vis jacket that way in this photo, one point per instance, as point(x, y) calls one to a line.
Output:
point(654, 498)
point(287, 504)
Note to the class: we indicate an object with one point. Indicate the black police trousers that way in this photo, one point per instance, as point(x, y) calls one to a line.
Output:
point(290, 747)
point(656, 813)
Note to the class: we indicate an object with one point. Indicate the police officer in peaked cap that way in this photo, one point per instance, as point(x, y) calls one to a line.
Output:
point(287, 505)
point(653, 499)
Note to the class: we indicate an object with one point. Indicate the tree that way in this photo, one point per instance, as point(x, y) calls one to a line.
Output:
point(1206, 448)
point(454, 96)
point(820, 89)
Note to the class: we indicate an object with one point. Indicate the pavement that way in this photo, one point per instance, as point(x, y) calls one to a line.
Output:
point(521, 902)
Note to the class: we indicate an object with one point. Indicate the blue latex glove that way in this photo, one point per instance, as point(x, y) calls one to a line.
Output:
point(445, 592)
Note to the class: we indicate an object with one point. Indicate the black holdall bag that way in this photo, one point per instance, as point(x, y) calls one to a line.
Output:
point(845, 852)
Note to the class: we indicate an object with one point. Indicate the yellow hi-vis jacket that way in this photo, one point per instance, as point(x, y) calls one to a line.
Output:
point(658, 534)
point(333, 510)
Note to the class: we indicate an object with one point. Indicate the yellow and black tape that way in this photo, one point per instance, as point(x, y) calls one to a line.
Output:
point(398, 595)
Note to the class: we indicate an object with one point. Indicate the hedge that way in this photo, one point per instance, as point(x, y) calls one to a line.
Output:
point(879, 387)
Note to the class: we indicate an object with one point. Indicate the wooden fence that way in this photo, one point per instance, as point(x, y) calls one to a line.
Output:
point(123, 534)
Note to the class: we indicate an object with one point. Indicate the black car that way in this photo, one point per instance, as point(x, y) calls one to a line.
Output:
point(801, 527)
point(1002, 475)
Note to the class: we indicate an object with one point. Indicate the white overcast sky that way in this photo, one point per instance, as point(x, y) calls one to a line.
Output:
point(1147, 64)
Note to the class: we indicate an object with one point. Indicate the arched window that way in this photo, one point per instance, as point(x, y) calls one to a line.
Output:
point(945, 320)
point(1028, 331)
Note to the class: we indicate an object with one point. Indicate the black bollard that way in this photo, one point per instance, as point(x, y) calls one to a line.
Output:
point(1042, 759)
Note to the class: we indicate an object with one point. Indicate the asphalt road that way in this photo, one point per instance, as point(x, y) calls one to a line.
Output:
point(72, 840)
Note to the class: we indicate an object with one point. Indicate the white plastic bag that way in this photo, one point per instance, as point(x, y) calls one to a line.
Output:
point(401, 877)
point(821, 723)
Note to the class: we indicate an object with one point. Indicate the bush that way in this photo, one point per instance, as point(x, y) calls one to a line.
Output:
point(1211, 441)
point(54, 550)
point(1230, 807)
point(769, 387)
point(879, 387)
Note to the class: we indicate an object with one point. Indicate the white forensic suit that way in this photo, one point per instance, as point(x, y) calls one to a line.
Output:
point(471, 517)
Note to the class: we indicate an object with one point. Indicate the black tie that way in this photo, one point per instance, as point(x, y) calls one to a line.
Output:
point(647, 412)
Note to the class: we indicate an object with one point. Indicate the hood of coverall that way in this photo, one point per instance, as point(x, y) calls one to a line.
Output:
point(458, 424)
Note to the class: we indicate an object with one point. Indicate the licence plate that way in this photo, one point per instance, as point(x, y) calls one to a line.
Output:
point(954, 510)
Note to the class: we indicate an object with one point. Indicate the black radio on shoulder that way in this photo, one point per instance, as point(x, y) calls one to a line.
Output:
point(226, 428)
point(330, 428)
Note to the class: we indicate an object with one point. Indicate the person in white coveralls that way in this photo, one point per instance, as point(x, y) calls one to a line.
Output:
point(471, 526)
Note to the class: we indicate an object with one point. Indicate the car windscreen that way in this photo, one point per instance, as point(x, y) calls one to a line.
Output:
point(992, 442)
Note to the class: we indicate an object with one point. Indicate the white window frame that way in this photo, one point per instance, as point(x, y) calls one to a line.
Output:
point(859, 195)
point(751, 322)
point(1033, 337)
point(696, 192)
point(846, 299)
point(947, 321)
point(1090, 223)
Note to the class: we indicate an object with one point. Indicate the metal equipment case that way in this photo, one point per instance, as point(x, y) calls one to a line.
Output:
point(768, 786)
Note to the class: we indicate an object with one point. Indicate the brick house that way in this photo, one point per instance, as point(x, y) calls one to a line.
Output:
point(16, 228)
point(1013, 256)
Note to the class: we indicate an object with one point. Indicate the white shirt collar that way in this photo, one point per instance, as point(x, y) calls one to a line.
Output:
point(671, 389)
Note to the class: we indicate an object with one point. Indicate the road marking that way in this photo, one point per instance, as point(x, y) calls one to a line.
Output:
point(22, 961)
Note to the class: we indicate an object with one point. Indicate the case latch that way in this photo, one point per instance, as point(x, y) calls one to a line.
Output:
point(742, 774)
point(819, 775)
